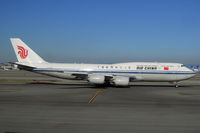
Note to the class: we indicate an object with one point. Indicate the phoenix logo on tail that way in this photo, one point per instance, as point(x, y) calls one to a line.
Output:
point(22, 52)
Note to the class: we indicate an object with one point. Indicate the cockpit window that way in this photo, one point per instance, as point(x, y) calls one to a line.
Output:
point(182, 65)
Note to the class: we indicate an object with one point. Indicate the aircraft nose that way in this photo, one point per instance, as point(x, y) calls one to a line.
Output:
point(193, 73)
point(188, 69)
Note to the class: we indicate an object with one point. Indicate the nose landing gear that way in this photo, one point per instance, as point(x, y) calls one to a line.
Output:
point(175, 83)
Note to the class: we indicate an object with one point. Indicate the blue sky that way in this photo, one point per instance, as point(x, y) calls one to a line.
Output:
point(103, 31)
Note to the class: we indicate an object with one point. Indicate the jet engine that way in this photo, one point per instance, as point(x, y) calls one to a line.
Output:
point(96, 79)
point(120, 81)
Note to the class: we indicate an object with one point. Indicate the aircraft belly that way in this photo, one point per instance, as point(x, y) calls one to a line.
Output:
point(157, 77)
point(184, 77)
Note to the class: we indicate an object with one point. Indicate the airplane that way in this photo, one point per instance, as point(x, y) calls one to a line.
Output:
point(118, 74)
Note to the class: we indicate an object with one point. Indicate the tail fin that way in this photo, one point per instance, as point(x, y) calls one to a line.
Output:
point(25, 54)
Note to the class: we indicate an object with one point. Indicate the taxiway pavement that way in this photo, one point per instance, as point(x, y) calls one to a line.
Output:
point(30, 103)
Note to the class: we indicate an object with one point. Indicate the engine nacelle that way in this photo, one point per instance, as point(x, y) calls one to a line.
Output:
point(96, 79)
point(120, 81)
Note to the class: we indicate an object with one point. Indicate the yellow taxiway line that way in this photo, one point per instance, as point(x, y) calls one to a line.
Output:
point(94, 96)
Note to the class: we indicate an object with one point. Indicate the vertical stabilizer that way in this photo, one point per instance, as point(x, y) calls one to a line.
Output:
point(25, 54)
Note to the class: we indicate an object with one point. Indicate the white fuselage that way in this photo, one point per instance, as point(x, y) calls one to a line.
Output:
point(139, 71)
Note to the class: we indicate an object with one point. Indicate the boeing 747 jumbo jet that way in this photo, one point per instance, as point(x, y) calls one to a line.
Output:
point(120, 74)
